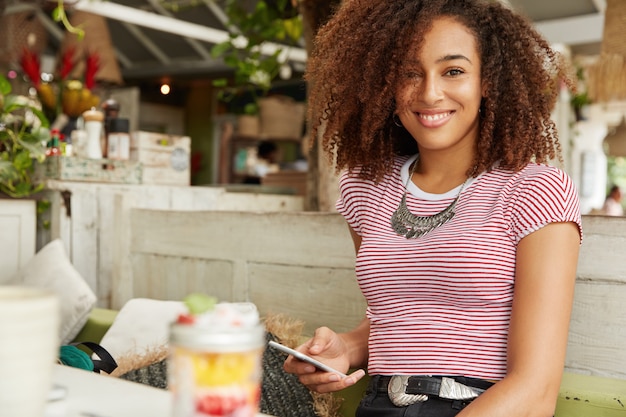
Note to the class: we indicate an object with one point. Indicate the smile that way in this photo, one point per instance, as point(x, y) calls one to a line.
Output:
point(434, 117)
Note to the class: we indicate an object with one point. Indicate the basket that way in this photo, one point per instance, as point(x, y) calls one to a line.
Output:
point(248, 125)
point(281, 117)
point(97, 39)
point(607, 78)
point(20, 31)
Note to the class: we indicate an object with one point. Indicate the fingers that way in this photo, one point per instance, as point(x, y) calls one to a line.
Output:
point(327, 347)
point(329, 382)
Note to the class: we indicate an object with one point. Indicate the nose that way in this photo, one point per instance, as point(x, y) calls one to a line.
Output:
point(430, 91)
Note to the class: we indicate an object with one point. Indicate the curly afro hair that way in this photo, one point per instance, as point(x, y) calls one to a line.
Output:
point(353, 74)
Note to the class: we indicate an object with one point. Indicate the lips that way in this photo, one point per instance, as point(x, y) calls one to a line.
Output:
point(434, 119)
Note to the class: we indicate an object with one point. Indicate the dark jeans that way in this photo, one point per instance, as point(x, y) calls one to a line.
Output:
point(378, 404)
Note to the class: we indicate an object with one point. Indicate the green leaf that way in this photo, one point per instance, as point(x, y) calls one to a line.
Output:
point(12, 103)
point(41, 116)
point(220, 82)
point(41, 135)
point(293, 27)
point(232, 61)
point(5, 168)
point(220, 49)
point(34, 149)
point(5, 86)
point(22, 160)
point(57, 14)
point(251, 108)
point(43, 205)
point(198, 303)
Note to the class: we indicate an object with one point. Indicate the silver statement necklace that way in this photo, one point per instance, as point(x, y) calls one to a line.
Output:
point(409, 225)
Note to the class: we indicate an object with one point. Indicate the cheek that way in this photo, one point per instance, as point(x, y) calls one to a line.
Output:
point(471, 93)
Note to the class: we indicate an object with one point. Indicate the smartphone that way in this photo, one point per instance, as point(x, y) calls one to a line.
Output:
point(301, 356)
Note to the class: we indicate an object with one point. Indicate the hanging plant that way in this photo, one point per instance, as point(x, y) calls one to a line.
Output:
point(274, 21)
point(580, 100)
point(59, 15)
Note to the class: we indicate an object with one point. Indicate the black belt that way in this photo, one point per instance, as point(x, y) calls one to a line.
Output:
point(429, 385)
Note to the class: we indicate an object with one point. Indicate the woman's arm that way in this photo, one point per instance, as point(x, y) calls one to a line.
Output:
point(544, 290)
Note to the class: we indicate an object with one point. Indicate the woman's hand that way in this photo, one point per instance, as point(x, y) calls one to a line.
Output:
point(328, 347)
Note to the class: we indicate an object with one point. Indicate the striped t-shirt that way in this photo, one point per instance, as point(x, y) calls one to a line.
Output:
point(440, 304)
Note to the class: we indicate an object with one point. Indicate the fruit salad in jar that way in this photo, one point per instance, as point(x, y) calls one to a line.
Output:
point(214, 368)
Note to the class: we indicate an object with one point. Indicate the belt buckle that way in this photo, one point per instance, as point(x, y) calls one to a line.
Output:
point(453, 390)
point(397, 392)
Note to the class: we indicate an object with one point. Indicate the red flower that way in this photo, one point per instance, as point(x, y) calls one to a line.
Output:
point(32, 68)
point(66, 63)
point(92, 67)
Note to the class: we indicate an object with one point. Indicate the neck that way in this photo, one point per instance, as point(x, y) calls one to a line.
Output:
point(438, 177)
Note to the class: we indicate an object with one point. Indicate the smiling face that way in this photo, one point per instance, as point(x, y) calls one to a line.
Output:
point(440, 89)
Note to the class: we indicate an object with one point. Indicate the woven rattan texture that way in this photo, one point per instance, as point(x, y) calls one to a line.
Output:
point(282, 395)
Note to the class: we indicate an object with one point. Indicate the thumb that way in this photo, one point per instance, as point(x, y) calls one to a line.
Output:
point(320, 340)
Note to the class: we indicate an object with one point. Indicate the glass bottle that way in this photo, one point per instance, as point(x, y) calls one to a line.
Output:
point(54, 149)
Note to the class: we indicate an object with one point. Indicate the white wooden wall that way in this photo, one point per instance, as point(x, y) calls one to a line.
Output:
point(87, 216)
point(597, 340)
point(302, 264)
point(18, 225)
point(297, 263)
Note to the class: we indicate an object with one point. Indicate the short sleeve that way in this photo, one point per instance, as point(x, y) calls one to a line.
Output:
point(348, 201)
point(545, 195)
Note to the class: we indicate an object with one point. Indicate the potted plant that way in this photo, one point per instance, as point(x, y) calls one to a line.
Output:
point(23, 136)
point(580, 100)
point(276, 21)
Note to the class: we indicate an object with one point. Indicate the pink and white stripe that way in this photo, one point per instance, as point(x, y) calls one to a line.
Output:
point(441, 303)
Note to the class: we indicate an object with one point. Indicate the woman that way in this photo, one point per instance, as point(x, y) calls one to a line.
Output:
point(613, 203)
point(467, 242)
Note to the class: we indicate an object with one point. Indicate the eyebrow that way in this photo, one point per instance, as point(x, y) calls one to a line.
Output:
point(453, 57)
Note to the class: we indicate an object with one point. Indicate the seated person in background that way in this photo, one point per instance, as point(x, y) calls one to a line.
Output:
point(613, 203)
point(266, 161)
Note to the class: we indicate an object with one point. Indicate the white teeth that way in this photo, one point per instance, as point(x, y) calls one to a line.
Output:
point(433, 117)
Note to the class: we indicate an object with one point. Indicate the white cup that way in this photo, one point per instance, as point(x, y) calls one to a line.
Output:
point(29, 347)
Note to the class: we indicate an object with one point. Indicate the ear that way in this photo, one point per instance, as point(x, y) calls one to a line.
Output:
point(484, 89)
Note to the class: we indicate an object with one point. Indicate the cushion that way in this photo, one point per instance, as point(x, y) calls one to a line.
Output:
point(141, 326)
point(98, 323)
point(51, 269)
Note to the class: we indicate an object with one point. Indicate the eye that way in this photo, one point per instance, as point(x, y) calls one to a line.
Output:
point(455, 72)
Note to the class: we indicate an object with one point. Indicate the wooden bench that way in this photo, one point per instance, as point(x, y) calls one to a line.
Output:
point(302, 264)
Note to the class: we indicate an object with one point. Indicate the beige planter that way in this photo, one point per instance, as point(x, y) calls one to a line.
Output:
point(248, 125)
point(281, 117)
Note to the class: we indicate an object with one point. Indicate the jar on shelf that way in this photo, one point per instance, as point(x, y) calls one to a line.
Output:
point(118, 139)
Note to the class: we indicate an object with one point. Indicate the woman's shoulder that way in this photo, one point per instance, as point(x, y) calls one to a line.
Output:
point(535, 188)
point(540, 183)
point(533, 174)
